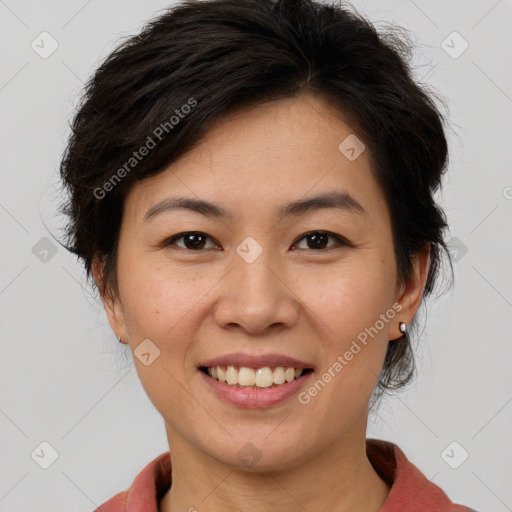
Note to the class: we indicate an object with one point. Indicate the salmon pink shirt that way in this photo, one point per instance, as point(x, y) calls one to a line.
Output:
point(410, 489)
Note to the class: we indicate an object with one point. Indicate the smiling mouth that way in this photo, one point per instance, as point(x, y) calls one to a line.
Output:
point(255, 378)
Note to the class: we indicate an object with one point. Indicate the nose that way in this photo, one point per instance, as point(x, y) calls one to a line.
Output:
point(256, 297)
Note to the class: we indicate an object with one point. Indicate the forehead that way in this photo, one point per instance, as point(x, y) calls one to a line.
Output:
point(267, 155)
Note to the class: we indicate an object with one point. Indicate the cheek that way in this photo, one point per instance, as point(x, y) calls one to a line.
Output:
point(353, 312)
point(350, 298)
point(155, 295)
point(352, 351)
point(160, 307)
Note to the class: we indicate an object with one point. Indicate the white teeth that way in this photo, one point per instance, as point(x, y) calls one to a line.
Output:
point(259, 377)
point(264, 377)
point(246, 377)
point(279, 377)
point(232, 375)
point(289, 374)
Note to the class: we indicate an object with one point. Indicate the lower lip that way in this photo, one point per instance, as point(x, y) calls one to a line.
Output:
point(257, 397)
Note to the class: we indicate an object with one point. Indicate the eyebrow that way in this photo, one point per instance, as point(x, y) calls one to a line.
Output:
point(341, 200)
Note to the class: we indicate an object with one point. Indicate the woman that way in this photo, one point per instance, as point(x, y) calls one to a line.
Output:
point(251, 188)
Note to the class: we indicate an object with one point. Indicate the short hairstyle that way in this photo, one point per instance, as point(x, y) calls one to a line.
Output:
point(199, 61)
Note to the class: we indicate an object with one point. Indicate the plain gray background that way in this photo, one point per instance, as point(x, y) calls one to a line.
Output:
point(66, 381)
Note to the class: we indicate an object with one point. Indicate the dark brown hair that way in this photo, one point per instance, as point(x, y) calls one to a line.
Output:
point(190, 67)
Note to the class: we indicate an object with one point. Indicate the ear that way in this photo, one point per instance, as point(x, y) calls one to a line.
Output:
point(410, 293)
point(111, 303)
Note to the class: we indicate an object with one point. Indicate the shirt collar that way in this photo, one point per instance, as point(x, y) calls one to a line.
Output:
point(410, 489)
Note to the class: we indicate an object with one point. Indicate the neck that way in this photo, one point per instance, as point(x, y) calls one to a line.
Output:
point(340, 479)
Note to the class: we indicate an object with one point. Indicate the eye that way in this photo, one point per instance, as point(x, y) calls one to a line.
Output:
point(196, 241)
point(317, 240)
point(193, 240)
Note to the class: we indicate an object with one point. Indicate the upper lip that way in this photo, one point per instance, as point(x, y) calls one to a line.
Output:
point(251, 361)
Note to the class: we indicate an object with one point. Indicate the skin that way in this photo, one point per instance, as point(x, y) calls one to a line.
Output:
point(304, 302)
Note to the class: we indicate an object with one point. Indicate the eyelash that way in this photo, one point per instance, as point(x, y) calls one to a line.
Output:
point(342, 242)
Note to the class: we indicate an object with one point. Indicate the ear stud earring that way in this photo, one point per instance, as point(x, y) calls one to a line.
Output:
point(402, 326)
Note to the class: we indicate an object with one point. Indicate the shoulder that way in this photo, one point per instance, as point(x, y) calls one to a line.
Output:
point(410, 488)
point(115, 504)
point(145, 491)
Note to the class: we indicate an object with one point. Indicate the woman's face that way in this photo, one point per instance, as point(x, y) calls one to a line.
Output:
point(260, 281)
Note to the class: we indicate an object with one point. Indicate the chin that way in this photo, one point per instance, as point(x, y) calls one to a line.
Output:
point(259, 451)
